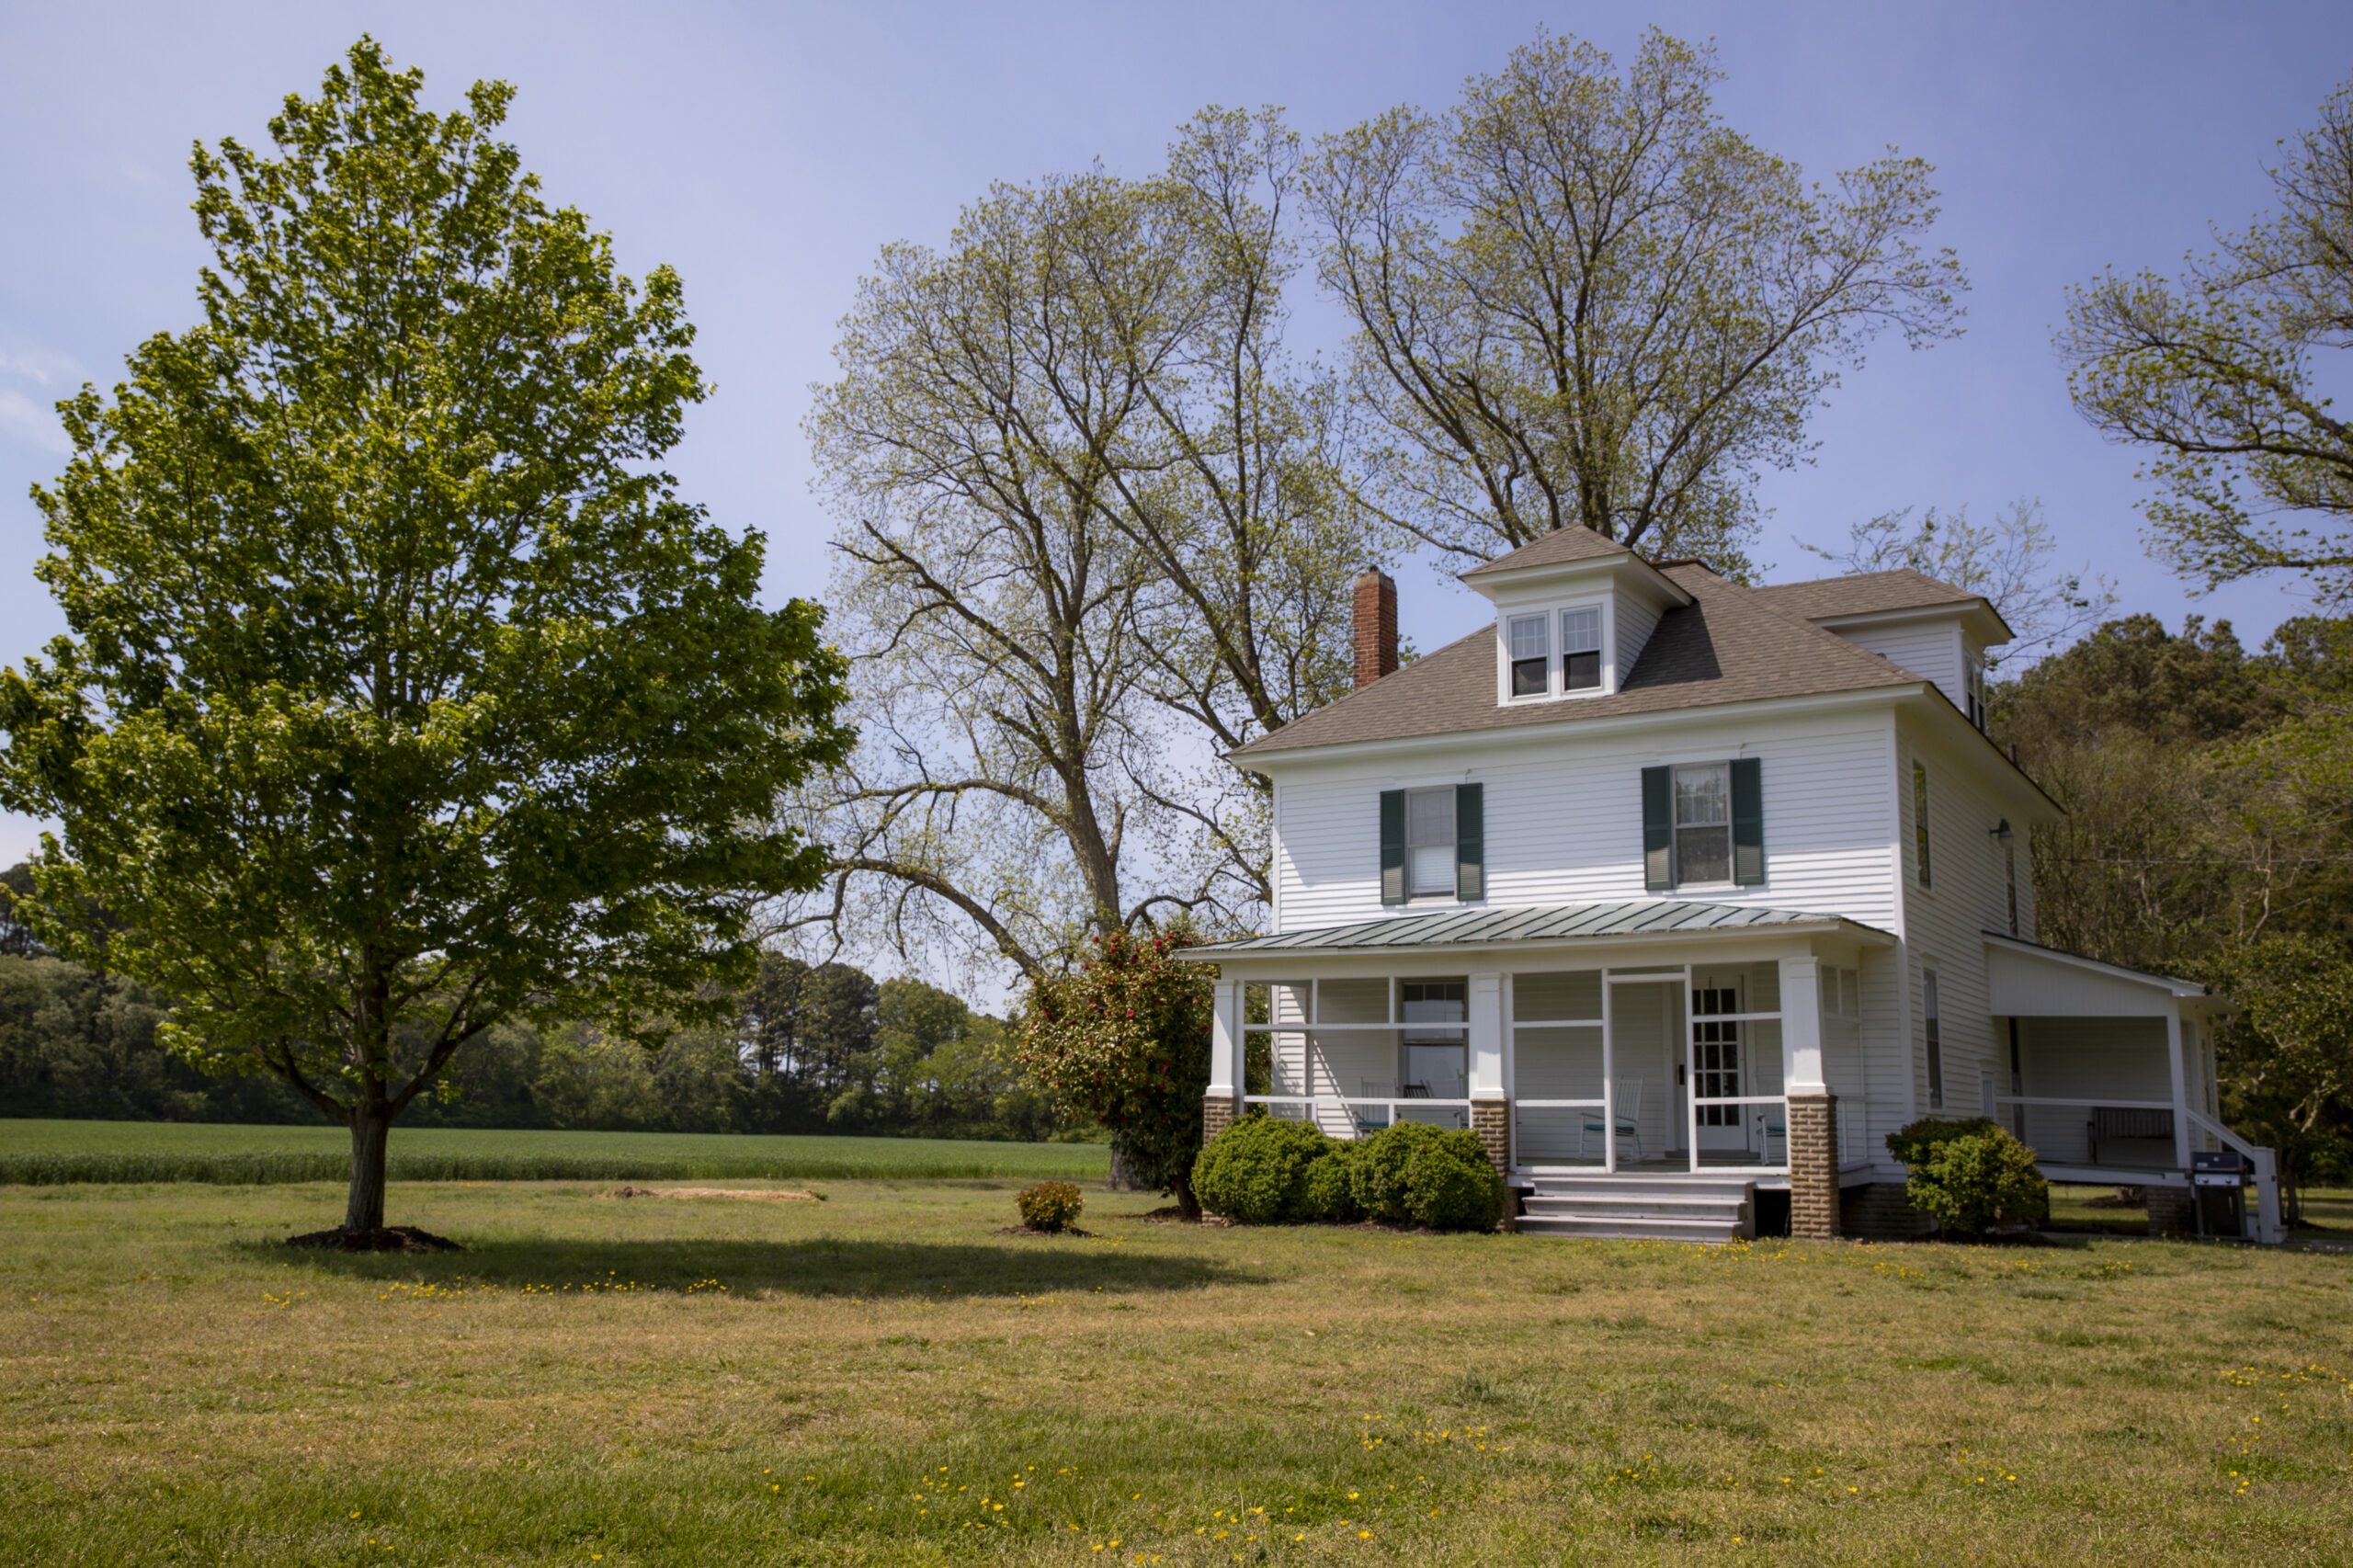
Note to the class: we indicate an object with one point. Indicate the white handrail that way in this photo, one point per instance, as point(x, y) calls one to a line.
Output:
point(2269, 1226)
point(1559, 1104)
point(2084, 1103)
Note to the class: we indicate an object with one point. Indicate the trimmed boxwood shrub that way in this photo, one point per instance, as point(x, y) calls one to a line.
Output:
point(1255, 1171)
point(1331, 1200)
point(1969, 1174)
point(1412, 1173)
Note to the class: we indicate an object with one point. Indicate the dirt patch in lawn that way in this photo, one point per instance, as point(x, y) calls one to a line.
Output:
point(753, 1194)
point(389, 1238)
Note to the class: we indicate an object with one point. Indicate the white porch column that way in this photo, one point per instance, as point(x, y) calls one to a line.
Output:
point(1486, 1053)
point(1801, 1027)
point(1225, 1040)
point(2175, 1064)
point(1490, 1094)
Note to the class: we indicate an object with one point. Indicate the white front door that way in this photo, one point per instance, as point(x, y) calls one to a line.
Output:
point(1718, 1069)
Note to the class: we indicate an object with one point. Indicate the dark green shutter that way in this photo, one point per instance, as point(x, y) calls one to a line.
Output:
point(1393, 846)
point(1470, 842)
point(1658, 830)
point(1747, 822)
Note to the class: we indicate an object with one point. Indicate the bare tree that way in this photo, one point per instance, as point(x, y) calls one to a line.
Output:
point(1579, 297)
point(2215, 378)
point(2009, 561)
point(1092, 536)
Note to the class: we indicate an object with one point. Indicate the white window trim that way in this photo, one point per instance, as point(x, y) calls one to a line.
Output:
point(1551, 611)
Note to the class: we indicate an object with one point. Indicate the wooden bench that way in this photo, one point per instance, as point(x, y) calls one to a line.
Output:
point(2114, 1122)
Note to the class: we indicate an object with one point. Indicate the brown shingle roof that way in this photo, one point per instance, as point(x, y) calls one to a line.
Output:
point(1571, 541)
point(1865, 593)
point(1728, 646)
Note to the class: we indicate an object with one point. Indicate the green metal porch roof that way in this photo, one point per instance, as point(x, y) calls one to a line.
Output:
point(1552, 923)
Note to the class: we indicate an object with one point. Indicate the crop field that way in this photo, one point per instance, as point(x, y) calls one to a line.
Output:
point(888, 1376)
point(33, 1152)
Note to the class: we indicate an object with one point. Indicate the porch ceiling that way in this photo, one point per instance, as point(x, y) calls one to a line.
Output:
point(1552, 923)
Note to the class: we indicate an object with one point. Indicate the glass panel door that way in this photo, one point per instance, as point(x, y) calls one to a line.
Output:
point(1716, 1068)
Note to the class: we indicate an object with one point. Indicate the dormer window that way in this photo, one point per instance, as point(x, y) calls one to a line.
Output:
point(1550, 651)
point(1528, 655)
point(1581, 648)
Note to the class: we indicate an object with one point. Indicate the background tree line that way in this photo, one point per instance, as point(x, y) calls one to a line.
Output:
point(805, 1048)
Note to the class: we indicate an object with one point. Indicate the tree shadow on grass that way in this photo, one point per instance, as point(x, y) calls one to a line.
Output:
point(1020, 1265)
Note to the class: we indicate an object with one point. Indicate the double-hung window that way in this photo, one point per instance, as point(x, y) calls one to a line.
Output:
point(1932, 1031)
point(1429, 842)
point(1528, 655)
point(1973, 688)
point(1920, 821)
point(1703, 823)
point(1581, 648)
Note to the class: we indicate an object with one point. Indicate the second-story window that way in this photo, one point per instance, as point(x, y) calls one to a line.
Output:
point(1581, 648)
point(1528, 655)
point(1703, 823)
point(1932, 1030)
point(1973, 686)
point(1429, 842)
point(2010, 881)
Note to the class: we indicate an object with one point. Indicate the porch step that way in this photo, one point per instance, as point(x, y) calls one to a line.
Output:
point(1642, 1228)
point(1656, 1208)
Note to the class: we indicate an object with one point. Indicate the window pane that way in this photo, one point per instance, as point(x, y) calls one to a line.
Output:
point(1580, 671)
point(1430, 816)
point(1702, 855)
point(1528, 677)
point(1580, 630)
point(1526, 636)
point(1702, 795)
point(1434, 869)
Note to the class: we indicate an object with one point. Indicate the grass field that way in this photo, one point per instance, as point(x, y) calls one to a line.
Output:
point(885, 1377)
point(46, 1151)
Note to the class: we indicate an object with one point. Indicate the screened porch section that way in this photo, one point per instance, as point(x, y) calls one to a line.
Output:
point(1649, 1068)
point(1353, 1055)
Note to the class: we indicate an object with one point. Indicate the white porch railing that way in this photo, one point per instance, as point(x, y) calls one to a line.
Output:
point(1352, 1108)
point(2263, 1165)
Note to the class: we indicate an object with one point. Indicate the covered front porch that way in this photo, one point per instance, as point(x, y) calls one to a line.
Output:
point(1637, 1041)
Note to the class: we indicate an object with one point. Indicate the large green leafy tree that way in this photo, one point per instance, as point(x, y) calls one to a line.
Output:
point(403, 695)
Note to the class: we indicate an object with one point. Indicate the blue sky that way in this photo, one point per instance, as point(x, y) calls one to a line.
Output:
point(767, 152)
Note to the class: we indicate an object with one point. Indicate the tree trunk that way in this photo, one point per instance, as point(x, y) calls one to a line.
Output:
point(371, 1127)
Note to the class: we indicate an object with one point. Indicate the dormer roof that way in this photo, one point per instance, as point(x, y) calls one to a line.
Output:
point(1869, 595)
point(1569, 552)
point(1724, 643)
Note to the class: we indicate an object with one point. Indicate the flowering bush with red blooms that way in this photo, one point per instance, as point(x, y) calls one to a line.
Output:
point(1125, 1038)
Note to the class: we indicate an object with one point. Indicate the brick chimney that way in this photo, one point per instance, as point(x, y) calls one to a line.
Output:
point(1376, 627)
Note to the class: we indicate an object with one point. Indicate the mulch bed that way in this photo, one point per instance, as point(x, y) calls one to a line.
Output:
point(391, 1238)
point(1027, 1231)
point(755, 1194)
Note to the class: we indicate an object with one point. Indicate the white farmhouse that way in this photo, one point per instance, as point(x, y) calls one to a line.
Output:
point(1684, 896)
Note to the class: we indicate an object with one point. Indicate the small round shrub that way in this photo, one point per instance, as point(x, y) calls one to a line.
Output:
point(1450, 1185)
point(1972, 1180)
point(1050, 1205)
point(1913, 1144)
point(1377, 1168)
point(1331, 1198)
point(1413, 1173)
point(1255, 1171)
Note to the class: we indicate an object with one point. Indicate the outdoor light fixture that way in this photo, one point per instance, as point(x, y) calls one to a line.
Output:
point(2001, 830)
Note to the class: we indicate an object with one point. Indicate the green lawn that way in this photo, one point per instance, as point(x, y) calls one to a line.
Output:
point(886, 1377)
point(44, 1152)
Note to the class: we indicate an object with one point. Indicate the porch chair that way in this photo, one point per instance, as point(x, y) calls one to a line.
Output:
point(1775, 1125)
point(1369, 1120)
point(1628, 1121)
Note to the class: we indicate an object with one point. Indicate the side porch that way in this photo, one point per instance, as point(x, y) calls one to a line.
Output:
point(2109, 1075)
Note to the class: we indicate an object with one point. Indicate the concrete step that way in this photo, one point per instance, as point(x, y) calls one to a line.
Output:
point(1629, 1228)
point(1663, 1186)
point(1694, 1206)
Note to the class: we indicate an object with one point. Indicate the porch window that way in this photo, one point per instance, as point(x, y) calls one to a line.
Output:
point(1842, 992)
point(1920, 819)
point(1932, 1025)
point(1526, 634)
point(1581, 648)
point(1703, 823)
point(1435, 1063)
point(1430, 841)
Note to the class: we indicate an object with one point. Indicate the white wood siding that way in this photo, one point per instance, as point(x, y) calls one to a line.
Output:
point(1930, 649)
point(1636, 620)
point(1564, 821)
point(1945, 923)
